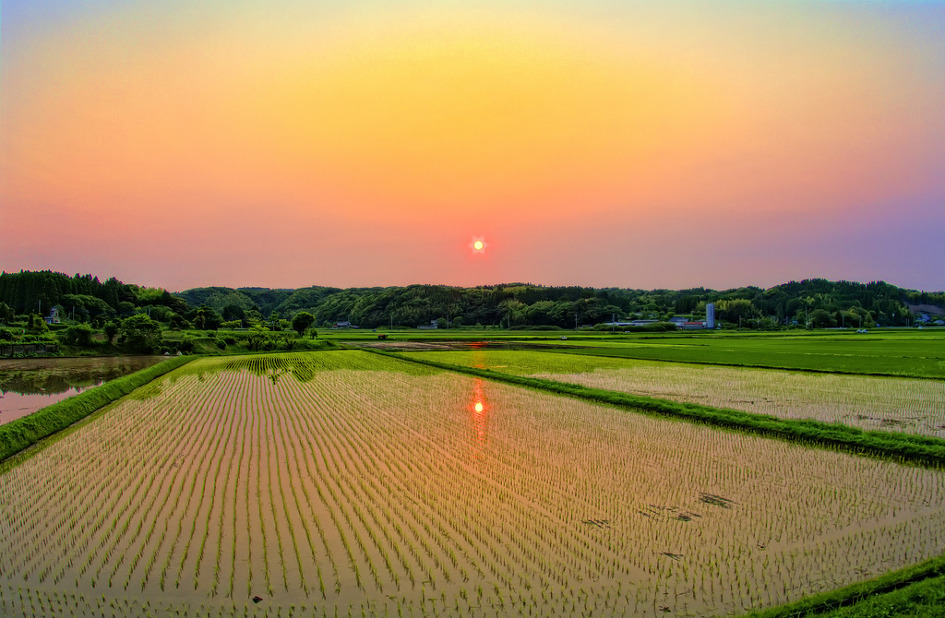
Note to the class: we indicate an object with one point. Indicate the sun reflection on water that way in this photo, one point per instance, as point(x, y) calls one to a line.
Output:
point(478, 409)
point(478, 356)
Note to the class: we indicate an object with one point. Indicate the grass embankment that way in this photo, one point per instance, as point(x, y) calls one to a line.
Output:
point(27, 431)
point(914, 591)
point(906, 448)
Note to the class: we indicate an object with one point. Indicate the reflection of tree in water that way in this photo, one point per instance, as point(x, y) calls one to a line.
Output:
point(53, 378)
point(302, 368)
point(263, 366)
point(31, 383)
point(303, 372)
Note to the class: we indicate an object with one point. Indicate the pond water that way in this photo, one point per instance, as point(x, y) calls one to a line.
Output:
point(28, 384)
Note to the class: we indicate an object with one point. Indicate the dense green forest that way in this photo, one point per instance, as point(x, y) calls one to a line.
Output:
point(814, 303)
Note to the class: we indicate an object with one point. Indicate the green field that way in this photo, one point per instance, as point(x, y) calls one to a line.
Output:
point(896, 353)
point(364, 484)
point(905, 353)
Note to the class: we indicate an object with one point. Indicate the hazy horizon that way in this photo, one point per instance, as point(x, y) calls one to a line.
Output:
point(362, 144)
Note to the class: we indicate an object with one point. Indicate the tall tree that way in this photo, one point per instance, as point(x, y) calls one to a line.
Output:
point(301, 321)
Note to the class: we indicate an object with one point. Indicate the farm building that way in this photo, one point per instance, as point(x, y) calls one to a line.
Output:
point(53, 317)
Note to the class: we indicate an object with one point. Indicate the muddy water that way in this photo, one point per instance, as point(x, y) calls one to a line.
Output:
point(28, 384)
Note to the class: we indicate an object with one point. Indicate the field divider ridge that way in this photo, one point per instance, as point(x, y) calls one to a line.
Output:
point(828, 602)
point(904, 448)
point(23, 433)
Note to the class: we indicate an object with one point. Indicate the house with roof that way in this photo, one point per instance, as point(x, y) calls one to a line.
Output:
point(53, 317)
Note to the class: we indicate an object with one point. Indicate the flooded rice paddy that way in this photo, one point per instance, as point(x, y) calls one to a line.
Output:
point(299, 484)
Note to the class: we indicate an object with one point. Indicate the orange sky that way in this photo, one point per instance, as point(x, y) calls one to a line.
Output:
point(356, 144)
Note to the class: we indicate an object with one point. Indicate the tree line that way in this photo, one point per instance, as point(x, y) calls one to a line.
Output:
point(815, 303)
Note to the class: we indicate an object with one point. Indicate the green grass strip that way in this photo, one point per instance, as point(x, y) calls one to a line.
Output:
point(24, 432)
point(904, 448)
point(782, 366)
point(900, 593)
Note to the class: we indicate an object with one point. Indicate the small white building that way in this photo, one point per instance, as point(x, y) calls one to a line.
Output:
point(53, 317)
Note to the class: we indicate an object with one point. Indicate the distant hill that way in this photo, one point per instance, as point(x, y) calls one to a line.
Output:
point(262, 299)
point(819, 302)
point(814, 302)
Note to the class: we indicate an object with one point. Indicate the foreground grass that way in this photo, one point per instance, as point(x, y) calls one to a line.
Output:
point(905, 448)
point(22, 433)
point(914, 591)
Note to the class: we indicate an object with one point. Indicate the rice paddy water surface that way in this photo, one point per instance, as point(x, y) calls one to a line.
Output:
point(312, 482)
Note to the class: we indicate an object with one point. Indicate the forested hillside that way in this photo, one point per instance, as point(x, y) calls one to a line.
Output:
point(815, 302)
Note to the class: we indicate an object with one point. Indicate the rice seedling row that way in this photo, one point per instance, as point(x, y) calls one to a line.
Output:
point(352, 431)
point(364, 485)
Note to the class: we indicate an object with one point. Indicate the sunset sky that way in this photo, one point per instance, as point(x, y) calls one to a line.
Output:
point(360, 143)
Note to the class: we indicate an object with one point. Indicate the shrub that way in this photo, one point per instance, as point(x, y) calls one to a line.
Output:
point(140, 333)
point(186, 345)
point(37, 324)
point(78, 335)
point(111, 329)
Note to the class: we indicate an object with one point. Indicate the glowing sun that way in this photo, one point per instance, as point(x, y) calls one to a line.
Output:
point(478, 245)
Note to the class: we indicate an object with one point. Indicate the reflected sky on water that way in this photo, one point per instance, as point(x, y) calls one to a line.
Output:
point(479, 414)
point(28, 384)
